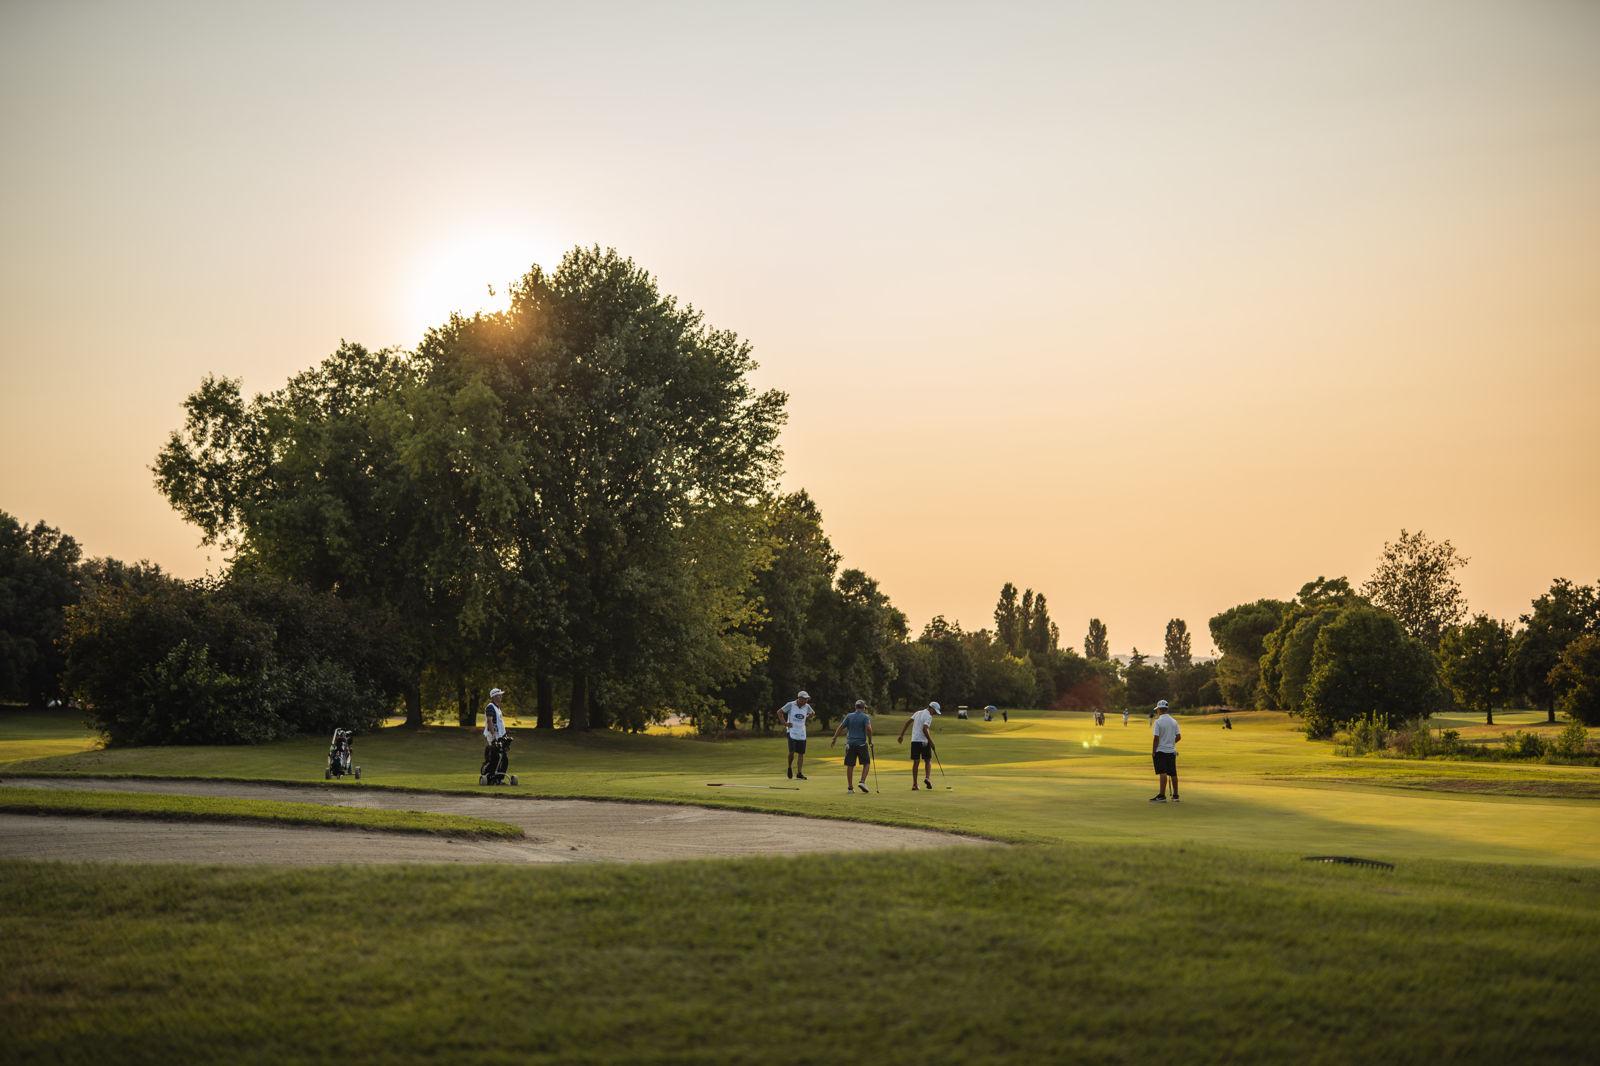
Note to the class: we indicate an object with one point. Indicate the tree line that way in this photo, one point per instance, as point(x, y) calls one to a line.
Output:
point(577, 499)
point(1402, 646)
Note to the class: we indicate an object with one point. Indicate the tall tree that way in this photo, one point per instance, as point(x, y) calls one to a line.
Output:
point(1365, 663)
point(1096, 645)
point(1240, 633)
point(354, 478)
point(1178, 655)
point(1042, 635)
point(1007, 619)
point(1475, 661)
point(1576, 678)
point(1415, 581)
point(1558, 618)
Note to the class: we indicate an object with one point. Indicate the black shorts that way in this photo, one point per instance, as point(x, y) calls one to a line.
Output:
point(1166, 762)
point(796, 747)
point(857, 753)
point(921, 749)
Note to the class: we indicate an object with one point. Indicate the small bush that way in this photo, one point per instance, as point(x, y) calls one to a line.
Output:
point(1521, 745)
point(1364, 736)
point(1450, 742)
point(1571, 741)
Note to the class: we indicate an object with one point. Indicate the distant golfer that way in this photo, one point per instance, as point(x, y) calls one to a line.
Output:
point(1164, 737)
point(921, 726)
point(494, 727)
point(795, 715)
point(1124, 718)
point(857, 727)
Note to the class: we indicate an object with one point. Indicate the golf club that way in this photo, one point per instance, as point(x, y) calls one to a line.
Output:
point(943, 780)
point(873, 751)
point(780, 788)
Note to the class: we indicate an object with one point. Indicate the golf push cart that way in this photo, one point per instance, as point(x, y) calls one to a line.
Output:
point(339, 757)
point(495, 764)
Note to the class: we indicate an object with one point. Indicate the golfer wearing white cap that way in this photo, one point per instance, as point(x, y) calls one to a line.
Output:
point(1164, 737)
point(921, 726)
point(795, 714)
point(494, 728)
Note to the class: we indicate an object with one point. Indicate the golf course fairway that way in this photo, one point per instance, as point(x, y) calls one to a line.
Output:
point(1115, 930)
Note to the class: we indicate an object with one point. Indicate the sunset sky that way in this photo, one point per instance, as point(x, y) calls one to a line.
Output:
point(1155, 307)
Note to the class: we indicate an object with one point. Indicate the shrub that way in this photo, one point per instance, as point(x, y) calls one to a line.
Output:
point(1414, 739)
point(1367, 735)
point(1521, 745)
point(237, 662)
point(1450, 742)
point(1571, 741)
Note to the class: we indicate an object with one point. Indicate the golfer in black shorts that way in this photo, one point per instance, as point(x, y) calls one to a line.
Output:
point(921, 726)
point(1164, 737)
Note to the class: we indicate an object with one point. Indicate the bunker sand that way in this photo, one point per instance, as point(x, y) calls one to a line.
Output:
point(557, 831)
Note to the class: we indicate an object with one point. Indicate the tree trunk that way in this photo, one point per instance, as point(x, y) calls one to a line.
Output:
point(466, 711)
point(597, 713)
point(1550, 710)
point(414, 704)
point(547, 699)
point(1488, 715)
point(474, 701)
point(578, 716)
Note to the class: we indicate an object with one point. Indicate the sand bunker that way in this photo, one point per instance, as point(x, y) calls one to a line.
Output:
point(557, 830)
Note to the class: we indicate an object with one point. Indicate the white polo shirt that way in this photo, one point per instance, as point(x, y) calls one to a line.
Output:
point(919, 726)
point(1166, 732)
point(794, 716)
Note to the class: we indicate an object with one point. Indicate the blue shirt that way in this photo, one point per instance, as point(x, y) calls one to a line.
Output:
point(855, 727)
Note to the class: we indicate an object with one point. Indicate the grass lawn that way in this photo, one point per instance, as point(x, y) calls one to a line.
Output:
point(1045, 954)
point(1121, 932)
point(224, 809)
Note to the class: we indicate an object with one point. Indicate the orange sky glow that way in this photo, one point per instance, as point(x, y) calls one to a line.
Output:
point(1156, 307)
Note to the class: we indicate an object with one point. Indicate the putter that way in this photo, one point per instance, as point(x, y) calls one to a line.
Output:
point(873, 751)
point(779, 788)
point(943, 780)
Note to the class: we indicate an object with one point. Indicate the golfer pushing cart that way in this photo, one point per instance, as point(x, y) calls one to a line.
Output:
point(496, 744)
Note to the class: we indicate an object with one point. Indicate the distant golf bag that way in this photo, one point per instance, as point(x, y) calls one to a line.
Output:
point(496, 760)
point(339, 757)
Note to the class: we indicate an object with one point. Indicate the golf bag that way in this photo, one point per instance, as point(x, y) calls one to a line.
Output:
point(339, 757)
point(496, 761)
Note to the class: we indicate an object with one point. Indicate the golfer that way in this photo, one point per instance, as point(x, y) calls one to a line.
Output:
point(494, 727)
point(857, 727)
point(1164, 737)
point(921, 726)
point(795, 714)
point(1124, 718)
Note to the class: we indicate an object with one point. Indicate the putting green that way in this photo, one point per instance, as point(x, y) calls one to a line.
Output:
point(1044, 776)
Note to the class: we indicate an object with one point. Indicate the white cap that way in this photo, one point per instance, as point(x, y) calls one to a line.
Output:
point(861, 703)
point(1161, 705)
point(496, 693)
point(933, 705)
point(803, 695)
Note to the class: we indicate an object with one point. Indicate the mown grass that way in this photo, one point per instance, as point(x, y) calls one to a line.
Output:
point(1044, 777)
point(91, 803)
point(1048, 954)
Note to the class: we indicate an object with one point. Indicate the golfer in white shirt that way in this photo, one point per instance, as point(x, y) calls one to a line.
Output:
point(1164, 737)
point(921, 726)
point(795, 715)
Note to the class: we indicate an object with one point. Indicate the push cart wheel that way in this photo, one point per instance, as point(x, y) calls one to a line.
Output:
point(327, 774)
point(514, 779)
point(482, 780)
point(358, 773)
